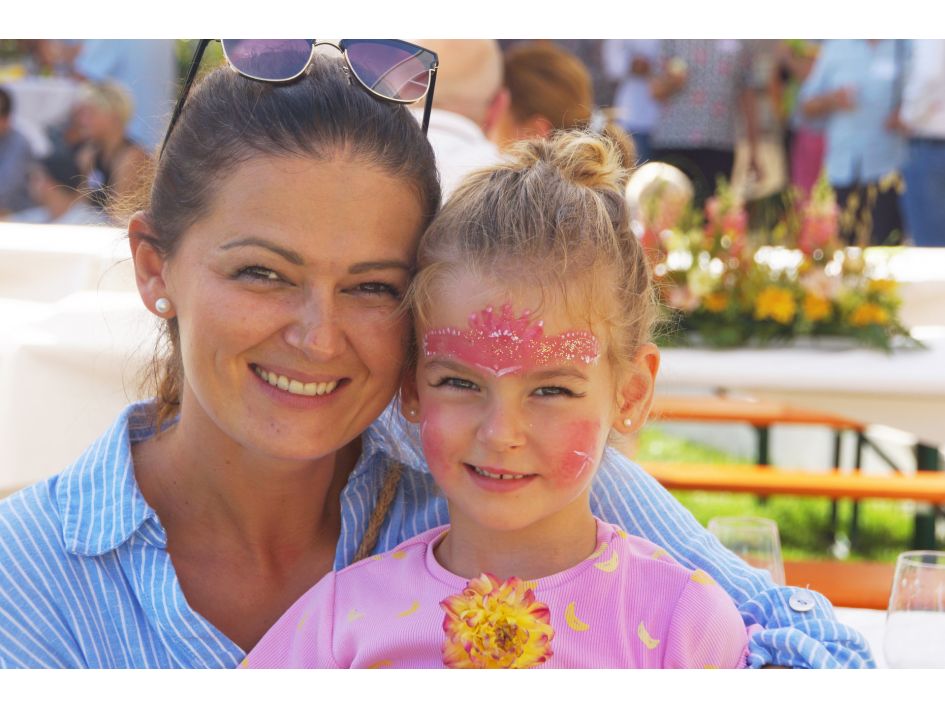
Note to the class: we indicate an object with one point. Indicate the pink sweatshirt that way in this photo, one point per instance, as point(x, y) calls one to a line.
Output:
point(628, 605)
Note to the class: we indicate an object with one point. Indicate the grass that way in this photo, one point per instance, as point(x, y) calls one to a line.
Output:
point(884, 527)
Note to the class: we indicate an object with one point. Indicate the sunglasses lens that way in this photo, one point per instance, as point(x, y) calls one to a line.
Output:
point(268, 59)
point(391, 68)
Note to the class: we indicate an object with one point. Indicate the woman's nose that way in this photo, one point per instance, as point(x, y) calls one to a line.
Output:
point(502, 427)
point(315, 329)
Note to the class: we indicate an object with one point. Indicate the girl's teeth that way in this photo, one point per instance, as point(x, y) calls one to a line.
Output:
point(294, 386)
point(493, 476)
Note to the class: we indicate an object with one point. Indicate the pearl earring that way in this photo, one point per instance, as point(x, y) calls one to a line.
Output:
point(628, 422)
point(413, 412)
point(162, 305)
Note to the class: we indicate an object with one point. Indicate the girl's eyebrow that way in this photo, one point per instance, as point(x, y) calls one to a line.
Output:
point(452, 365)
point(572, 372)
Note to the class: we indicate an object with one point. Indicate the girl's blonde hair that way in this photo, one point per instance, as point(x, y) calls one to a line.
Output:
point(552, 215)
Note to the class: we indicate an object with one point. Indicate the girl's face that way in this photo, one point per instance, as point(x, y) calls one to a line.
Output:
point(286, 295)
point(514, 409)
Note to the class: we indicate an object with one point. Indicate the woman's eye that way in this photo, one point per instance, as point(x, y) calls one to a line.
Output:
point(258, 273)
point(378, 288)
point(456, 383)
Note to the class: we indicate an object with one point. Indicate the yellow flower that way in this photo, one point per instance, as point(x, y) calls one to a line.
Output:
point(775, 304)
point(882, 286)
point(816, 307)
point(493, 625)
point(715, 302)
point(869, 314)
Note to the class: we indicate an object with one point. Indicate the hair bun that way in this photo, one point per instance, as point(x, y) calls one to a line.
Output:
point(584, 158)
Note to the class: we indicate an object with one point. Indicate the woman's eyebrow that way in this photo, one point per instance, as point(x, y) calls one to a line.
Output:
point(287, 254)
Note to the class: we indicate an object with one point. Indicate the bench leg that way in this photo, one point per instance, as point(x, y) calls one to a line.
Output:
point(926, 458)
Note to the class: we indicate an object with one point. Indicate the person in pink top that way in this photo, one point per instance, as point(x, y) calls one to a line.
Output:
point(533, 308)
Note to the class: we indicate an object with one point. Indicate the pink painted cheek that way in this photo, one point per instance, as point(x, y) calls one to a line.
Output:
point(435, 439)
point(575, 456)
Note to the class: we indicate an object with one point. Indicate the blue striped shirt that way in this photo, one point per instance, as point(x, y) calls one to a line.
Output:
point(86, 580)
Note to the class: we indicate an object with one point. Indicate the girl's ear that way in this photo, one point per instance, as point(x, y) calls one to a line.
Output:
point(635, 389)
point(149, 264)
point(409, 399)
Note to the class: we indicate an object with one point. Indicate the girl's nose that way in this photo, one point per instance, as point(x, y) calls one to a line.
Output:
point(315, 330)
point(501, 428)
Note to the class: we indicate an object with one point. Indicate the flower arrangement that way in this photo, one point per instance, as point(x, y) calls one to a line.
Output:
point(493, 625)
point(722, 288)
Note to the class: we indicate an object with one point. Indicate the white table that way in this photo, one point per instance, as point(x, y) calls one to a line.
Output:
point(871, 623)
point(905, 390)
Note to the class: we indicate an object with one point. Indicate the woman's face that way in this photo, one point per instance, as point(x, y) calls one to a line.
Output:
point(286, 295)
point(93, 121)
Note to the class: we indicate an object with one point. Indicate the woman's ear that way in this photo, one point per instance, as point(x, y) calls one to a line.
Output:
point(149, 265)
point(635, 389)
point(409, 399)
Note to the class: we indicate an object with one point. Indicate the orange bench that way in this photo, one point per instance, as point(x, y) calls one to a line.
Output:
point(771, 480)
point(852, 584)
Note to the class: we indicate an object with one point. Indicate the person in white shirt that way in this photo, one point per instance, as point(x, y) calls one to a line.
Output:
point(923, 113)
point(632, 62)
point(469, 98)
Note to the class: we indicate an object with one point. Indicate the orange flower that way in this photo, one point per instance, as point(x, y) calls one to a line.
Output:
point(869, 314)
point(715, 302)
point(775, 304)
point(492, 625)
point(816, 307)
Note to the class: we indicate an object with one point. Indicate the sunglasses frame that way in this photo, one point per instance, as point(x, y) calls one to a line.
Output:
point(349, 69)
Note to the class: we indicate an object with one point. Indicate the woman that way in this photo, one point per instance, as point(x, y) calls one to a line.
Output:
point(550, 89)
point(112, 164)
point(280, 232)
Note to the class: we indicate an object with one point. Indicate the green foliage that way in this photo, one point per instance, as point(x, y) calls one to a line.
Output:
point(884, 528)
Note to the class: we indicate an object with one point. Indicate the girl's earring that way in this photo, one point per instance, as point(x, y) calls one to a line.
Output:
point(628, 422)
point(162, 305)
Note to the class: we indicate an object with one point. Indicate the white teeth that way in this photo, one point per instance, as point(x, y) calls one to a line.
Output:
point(294, 386)
point(493, 476)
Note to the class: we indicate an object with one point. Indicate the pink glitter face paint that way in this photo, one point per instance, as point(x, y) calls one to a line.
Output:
point(503, 344)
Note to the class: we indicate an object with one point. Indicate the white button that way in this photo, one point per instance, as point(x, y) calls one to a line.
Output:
point(802, 601)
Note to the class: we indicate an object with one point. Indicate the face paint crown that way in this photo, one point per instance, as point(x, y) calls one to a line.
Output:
point(487, 324)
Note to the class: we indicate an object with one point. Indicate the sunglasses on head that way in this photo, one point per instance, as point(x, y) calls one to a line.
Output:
point(390, 69)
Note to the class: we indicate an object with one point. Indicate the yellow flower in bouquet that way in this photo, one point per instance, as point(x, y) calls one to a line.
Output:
point(816, 307)
point(869, 314)
point(716, 302)
point(882, 286)
point(775, 303)
point(493, 625)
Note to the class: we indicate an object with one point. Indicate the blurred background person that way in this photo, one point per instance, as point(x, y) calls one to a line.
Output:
point(147, 69)
point(631, 63)
point(803, 136)
point(923, 115)
point(15, 158)
point(469, 98)
point(703, 85)
point(112, 163)
point(55, 185)
point(549, 89)
point(855, 87)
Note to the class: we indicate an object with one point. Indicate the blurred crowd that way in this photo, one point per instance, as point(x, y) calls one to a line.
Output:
point(768, 116)
point(79, 122)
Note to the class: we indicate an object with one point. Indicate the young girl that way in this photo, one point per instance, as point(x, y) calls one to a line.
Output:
point(533, 308)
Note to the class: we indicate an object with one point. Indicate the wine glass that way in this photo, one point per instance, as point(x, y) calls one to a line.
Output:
point(754, 539)
point(915, 622)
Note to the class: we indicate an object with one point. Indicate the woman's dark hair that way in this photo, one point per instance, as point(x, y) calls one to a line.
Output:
point(229, 119)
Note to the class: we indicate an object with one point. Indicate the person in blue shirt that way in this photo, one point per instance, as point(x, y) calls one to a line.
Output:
point(855, 88)
point(278, 238)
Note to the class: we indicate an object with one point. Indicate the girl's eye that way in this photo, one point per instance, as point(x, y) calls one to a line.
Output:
point(456, 383)
point(555, 391)
point(378, 288)
point(258, 273)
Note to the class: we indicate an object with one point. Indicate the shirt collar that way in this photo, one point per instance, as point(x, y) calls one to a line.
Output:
point(100, 503)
